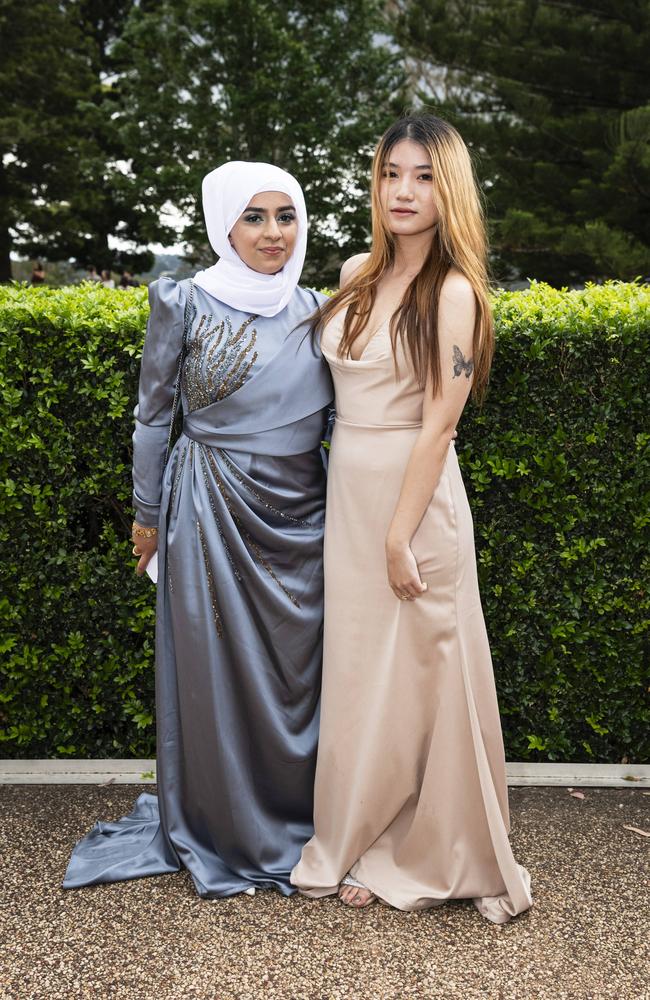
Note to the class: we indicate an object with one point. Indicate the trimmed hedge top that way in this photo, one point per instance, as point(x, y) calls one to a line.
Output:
point(557, 468)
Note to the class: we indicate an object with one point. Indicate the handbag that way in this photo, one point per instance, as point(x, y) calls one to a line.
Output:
point(187, 320)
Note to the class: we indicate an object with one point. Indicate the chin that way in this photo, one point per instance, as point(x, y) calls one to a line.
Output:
point(273, 264)
point(410, 227)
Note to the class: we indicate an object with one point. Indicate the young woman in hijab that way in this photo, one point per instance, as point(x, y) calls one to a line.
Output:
point(411, 802)
point(236, 521)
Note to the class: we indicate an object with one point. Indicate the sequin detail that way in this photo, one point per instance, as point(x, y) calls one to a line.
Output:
point(217, 521)
point(217, 361)
point(179, 476)
point(177, 481)
point(211, 587)
point(258, 496)
point(250, 542)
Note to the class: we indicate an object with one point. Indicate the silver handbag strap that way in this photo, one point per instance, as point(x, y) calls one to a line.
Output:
point(187, 321)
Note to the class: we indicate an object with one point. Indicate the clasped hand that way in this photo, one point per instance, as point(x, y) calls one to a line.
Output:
point(403, 573)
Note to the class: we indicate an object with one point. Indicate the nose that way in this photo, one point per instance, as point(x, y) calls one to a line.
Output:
point(404, 188)
point(272, 230)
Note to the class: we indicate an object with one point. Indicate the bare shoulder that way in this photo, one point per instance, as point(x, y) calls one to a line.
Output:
point(351, 266)
point(457, 292)
point(456, 313)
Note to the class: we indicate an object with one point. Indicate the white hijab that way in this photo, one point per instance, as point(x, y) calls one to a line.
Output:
point(226, 193)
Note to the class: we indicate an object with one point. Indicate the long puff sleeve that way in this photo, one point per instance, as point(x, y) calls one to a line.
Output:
point(158, 369)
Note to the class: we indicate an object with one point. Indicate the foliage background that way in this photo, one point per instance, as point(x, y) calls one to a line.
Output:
point(553, 97)
point(557, 469)
point(143, 99)
point(113, 110)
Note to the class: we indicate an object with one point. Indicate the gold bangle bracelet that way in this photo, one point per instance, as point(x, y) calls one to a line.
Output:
point(139, 532)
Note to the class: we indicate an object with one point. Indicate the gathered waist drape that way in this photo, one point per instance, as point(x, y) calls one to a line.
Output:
point(294, 438)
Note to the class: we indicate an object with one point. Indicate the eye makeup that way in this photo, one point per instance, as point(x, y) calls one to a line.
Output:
point(285, 214)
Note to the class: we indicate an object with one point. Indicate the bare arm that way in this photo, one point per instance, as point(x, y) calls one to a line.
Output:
point(439, 418)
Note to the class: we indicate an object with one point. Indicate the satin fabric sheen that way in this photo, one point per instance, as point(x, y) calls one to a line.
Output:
point(239, 603)
point(411, 796)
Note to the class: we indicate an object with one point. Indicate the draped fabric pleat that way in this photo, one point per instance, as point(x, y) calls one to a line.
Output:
point(240, 510)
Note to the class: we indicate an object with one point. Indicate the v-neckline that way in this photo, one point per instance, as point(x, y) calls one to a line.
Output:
point(369, 341)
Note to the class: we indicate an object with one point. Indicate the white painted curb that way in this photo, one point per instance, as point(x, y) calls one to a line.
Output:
point(598, 775)
point(77, 772)
point(137, 772)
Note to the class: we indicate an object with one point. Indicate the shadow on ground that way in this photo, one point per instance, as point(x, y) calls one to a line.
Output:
point(586, 937)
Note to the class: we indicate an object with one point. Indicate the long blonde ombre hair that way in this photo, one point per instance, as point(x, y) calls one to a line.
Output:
point(459, 240)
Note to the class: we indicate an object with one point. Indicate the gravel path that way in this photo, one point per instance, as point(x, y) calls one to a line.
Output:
point(586, 937)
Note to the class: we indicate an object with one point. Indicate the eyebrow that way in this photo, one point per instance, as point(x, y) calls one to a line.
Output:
point(421, 166)
point(283, 208)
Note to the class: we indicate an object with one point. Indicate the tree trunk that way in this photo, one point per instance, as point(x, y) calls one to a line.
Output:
point(5, 258)
point(5, 238)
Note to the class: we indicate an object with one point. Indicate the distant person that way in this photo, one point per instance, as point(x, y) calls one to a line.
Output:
point(38, 273)
point(128, 281)
point(92, 274)
point(106, 280)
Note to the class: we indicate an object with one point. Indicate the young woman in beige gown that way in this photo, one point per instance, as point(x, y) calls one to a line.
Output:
point(411, 802)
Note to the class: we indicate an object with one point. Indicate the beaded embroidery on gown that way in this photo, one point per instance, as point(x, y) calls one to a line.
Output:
point(239, 603)
point(411, 797)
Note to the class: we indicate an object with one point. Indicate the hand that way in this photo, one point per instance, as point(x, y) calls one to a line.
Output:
point(403, 573)
point(143, 548)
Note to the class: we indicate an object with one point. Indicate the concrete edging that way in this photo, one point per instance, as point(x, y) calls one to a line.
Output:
point(136, 772)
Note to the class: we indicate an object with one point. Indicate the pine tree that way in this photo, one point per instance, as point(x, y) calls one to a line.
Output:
point(553, 96)
point(39, 95)
point(61, 189)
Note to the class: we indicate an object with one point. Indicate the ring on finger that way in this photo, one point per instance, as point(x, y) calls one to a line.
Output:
point(136, 551)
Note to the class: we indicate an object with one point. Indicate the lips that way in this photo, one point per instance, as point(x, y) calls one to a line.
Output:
point(272, 251)
point(403, 211)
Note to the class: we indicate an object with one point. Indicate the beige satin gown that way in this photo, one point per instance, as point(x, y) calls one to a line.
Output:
point(411, 796)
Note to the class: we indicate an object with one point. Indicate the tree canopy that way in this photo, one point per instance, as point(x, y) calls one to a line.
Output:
point(60, 191)
point(40, 92)
point(306, 86)
point(553, 96)
point(119, 109)
point(113, 111)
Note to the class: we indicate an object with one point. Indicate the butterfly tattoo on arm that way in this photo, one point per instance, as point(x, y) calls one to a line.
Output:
point(460, 364)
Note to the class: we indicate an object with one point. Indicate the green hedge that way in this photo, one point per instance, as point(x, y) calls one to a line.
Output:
point(557, 469)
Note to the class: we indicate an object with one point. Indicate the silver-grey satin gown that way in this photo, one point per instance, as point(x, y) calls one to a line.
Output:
point(240, 597)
